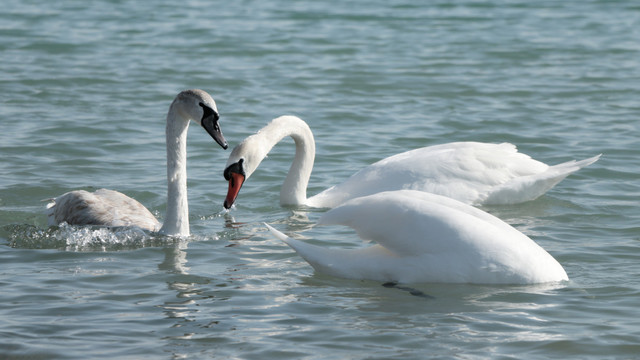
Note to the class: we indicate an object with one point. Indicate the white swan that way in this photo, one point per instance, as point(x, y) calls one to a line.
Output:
point(424, 238)
point(474, 173)
point(111, 208)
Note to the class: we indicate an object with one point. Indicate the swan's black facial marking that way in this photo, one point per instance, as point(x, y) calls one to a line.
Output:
point(209, 112)
point(237, 168)
point(210, 122)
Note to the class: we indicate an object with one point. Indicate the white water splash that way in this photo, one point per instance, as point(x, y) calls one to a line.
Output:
point(84, 238)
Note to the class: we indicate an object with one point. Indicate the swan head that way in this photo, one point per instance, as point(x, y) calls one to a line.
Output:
point(236, 176)
point(242, 162)
point(246, 157)
point(199, 106)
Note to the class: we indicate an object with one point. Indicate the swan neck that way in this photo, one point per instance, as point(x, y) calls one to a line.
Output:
point(294, 188)
point(176, 220)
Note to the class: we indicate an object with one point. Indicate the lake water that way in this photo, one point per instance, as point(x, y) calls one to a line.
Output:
point(85, 87)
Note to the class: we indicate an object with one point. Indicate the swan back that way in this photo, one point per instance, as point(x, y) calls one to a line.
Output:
point(102, 207)
point(423, 237)
point(471, 172)
point(400, 220)
point(466, 171)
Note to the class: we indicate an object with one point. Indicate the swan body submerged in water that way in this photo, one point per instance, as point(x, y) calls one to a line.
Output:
point(427, 238)
point(472, 172)
point(112, 208)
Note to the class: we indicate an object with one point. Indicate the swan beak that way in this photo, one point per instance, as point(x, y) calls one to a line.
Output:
point(235, 183)
point(210, 123)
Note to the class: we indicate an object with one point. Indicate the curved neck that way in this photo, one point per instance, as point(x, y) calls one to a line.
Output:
point(294, 188)
point(176, 221)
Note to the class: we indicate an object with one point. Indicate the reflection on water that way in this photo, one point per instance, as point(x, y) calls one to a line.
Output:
point(180, 309)
point(175, 258)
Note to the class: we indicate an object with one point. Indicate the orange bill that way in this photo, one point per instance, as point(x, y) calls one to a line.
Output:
point(235, 184)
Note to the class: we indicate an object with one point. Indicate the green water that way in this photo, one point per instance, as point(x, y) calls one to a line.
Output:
point(85, 87)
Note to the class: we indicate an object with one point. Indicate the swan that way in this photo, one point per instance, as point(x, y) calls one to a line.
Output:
point(472, 172)
point(112, 208)
point(428, 238)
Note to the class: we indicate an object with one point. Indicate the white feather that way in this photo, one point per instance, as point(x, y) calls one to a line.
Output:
point(422, 237)
point(472, 172)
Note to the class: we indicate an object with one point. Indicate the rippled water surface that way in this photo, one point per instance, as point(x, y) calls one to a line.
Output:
point(85, 88)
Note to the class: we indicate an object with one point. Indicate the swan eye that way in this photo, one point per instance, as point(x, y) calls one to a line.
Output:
point(208, 111)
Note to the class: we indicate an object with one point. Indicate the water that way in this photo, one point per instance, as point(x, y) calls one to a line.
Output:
point(86, 85)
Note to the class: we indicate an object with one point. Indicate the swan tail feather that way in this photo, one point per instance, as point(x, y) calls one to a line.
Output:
point(529, 188)
point(345, 263)
point(323, 260)
point(303, 249)
point(277, 233)
point(310, 253)
point(574, 165)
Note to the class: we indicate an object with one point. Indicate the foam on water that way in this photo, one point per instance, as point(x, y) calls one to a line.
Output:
point(86, 238)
